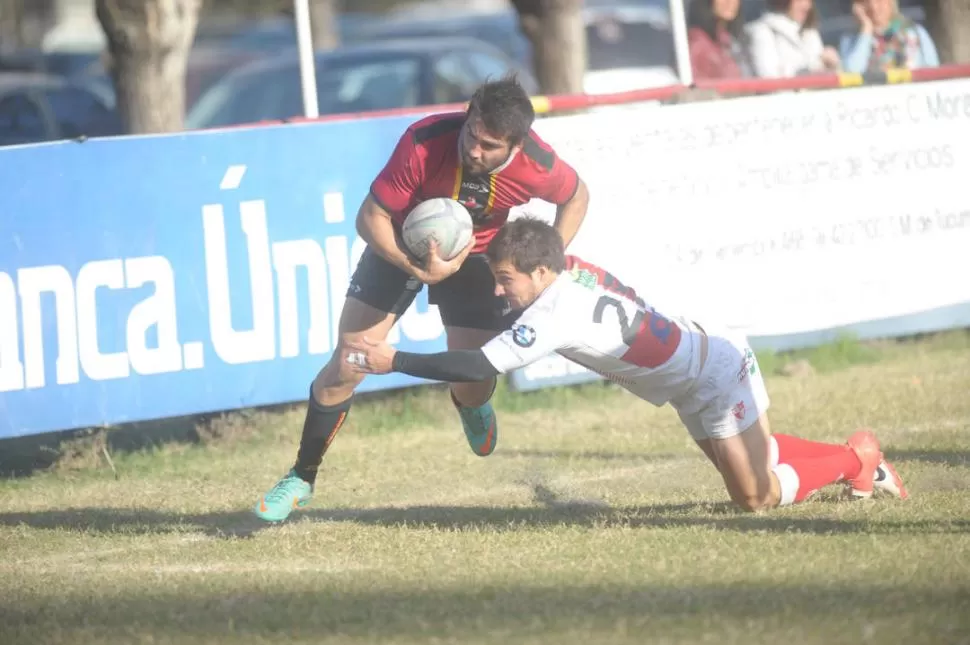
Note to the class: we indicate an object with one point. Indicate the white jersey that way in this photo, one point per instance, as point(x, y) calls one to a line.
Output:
point(592, 319)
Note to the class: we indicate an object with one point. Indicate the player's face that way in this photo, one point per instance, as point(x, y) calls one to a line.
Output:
point(481, 152)
point(520, 289)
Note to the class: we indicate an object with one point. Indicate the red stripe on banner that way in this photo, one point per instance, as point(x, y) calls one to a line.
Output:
point(566, 102)
point(758, 85)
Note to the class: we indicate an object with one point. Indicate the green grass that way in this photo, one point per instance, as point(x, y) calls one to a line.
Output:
point(844, 352)
point(847, 351)
point(596, 521)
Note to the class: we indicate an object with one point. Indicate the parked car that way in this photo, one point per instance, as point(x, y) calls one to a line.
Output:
point(59, 63)
point(271, 35)
point(207, 63)
point(629, 44)
point(39, 107)
point(499, 29)
point(628, 47)
point(357, 78)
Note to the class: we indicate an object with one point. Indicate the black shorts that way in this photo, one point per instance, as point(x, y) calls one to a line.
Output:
point(466, 299)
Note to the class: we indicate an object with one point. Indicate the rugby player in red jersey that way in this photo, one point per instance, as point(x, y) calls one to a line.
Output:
point(489, 159)
point(708, 374)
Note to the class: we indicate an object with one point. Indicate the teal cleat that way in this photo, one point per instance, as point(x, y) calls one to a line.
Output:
point(480, 425)
point(289, 493)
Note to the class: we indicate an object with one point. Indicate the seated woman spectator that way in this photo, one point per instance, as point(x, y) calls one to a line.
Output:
point(785, 41)
point(715, 39)
point(886, 40)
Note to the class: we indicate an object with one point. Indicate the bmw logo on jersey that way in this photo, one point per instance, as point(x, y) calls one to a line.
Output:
point(523, 335)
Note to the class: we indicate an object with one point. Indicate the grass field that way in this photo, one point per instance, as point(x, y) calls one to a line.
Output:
point(596, 521)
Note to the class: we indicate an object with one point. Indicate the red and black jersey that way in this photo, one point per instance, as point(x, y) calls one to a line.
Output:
point(426, 164)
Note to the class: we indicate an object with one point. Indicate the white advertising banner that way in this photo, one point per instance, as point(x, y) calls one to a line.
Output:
point(781, 214)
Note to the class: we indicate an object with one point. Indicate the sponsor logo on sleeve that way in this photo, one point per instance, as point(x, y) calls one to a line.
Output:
point(523, 335)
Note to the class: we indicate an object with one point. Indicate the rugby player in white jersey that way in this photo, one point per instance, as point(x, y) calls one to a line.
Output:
point(711, 378)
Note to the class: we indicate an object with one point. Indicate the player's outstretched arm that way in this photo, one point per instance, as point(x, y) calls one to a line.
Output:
point(516, 347)
point(368, 357)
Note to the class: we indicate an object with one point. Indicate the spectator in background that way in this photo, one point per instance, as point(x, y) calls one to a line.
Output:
point(785, 41)
point(715, 39)
point(886, 40)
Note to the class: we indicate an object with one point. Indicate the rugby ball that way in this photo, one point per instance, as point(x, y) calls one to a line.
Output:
point(440, 219)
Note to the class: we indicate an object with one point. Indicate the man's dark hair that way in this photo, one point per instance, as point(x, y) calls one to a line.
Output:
point(505, 109)
point(528, 243)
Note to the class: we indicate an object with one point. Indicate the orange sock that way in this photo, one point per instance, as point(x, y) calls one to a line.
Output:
point(815, 473)
point(789, 447)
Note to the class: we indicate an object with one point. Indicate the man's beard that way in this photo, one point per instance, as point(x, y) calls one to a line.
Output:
point(472, 166)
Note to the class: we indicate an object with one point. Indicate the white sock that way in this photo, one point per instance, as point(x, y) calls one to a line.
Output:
point(787, 480)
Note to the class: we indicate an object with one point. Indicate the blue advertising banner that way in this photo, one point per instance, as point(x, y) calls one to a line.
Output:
point(149, 277)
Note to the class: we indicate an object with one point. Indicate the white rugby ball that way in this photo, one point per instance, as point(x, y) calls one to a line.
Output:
point(443, 220)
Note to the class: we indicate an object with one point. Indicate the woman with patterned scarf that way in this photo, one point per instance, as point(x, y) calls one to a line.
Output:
point(886, 40)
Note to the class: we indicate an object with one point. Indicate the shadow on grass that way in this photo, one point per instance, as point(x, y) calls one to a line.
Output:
point(713, 516)
point(24, 456)
point(376, 412)
point(947, 457)
point(307, 609)
point(600, 455)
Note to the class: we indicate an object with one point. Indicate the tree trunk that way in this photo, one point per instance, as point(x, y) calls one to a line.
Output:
point(149, 43)
point(11, 25)
point(948, 22)
point(558, 36)
point(323, 24)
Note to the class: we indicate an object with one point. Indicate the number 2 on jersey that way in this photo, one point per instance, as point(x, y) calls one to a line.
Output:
point(651, 342)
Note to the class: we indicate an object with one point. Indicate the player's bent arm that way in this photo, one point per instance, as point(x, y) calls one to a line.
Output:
point(375, 227)
point(570, 215)
point(455, 366)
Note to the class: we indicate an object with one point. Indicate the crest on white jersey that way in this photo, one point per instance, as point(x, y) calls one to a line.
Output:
point(583, 277)
point(523, 335)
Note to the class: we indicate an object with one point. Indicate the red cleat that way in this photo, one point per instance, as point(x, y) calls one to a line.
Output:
point(888, 481)
point(866, 447)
